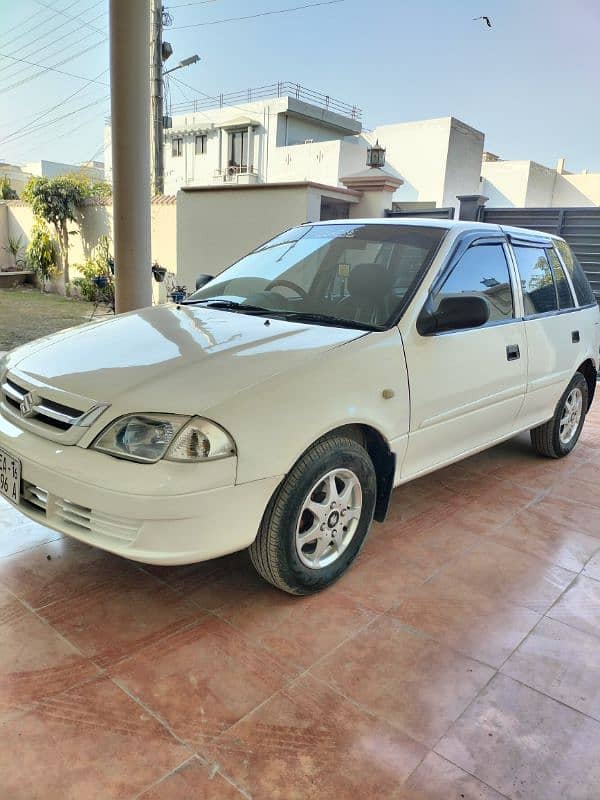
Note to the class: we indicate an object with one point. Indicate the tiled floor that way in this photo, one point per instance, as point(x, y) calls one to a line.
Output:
point(458, 660)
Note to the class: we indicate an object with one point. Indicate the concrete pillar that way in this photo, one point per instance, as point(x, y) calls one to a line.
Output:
point(250, 157)
point(469, 205)
point(377, 187)
point(131, 114)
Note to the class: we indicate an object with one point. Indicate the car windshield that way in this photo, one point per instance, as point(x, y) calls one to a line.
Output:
point(350, 274)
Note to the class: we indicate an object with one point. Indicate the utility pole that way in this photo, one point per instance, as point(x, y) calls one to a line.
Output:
point(158, 182)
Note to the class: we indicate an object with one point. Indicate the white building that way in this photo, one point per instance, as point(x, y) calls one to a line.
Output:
point(285, 133)
point(527, 184)
point(52, 169)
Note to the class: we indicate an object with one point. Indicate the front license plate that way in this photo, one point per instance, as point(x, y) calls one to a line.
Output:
point(10, 476)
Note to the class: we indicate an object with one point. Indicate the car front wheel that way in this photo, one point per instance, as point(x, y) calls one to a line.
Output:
point(319, 518)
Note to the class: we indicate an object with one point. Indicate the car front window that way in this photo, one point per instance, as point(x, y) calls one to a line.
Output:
point(351, 274)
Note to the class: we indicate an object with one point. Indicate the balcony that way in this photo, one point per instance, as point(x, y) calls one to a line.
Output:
point(236, 175)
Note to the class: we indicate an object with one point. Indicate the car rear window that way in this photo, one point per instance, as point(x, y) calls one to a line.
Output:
point(583, 290)
point(537, 281)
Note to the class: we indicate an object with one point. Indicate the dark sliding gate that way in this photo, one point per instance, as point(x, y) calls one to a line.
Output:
point(435, 213)
point(580, 227)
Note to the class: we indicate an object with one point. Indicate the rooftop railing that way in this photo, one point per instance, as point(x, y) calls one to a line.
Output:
point(279, 89)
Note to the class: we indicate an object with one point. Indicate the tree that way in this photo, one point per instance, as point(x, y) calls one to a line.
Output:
point(56, 200)
point(6, 190)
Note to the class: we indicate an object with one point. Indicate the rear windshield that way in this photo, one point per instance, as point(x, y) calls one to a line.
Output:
point(583, 290)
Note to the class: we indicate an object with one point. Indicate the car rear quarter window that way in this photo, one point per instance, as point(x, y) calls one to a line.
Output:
point(583, 290)
point(537, 281)
point(481, 272)
point(563, 290)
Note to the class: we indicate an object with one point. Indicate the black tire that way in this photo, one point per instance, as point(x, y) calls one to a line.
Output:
point(545, 439)
point(274, 552)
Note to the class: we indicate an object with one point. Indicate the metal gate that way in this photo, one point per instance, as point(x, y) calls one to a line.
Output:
point(580, 227)
point(435, 213)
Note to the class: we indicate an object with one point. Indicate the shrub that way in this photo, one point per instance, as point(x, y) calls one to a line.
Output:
point(6, 190)
point(41, 253)
point(98, 266)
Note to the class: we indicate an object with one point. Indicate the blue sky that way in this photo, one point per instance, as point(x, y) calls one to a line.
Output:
point(530, 83)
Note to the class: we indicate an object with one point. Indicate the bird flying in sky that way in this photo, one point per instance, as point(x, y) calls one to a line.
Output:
point(485, 19)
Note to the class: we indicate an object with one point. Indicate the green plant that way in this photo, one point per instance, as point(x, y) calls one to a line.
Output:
point(56, 201)
point(40, 253)
point(6, 190)
point(97, 266)
point(15, 248)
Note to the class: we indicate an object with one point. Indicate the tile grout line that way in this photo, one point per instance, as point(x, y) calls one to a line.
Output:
point(163, 778)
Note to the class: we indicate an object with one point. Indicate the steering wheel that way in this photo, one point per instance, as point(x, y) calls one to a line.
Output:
point(290, 285)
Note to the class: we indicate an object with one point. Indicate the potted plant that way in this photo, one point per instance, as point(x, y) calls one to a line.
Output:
point(178, 293)
point(158, 272)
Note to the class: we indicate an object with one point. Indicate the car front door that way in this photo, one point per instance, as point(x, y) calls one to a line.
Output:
point(466, 385)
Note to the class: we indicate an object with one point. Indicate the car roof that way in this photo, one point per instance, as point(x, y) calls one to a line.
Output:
point(447, 224)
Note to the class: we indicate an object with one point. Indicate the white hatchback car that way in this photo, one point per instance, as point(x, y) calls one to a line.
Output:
point(279, 405)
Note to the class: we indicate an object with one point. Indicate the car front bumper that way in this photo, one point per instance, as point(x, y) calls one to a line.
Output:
point(164, 513)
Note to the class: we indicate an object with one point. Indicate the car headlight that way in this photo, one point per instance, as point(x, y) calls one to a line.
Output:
point(150, 437)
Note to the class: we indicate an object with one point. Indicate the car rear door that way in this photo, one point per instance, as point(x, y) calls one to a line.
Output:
point(555, 328)
point(466, 386)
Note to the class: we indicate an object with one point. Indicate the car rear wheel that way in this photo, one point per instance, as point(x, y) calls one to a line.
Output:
point(557, 437)
point(319, 518)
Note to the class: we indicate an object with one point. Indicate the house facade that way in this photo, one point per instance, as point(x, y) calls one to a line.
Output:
point(285, 133)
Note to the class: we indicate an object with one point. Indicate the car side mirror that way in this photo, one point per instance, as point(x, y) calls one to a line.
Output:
point(453, 313)
point(203, 279)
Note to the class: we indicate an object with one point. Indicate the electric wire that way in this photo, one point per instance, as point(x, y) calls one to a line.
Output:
point(258, 14)
point(37, 51)
point(71, 18)
point(54, 68)
point(53, 108)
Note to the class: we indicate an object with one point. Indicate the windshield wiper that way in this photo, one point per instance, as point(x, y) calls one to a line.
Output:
point(230, 305)
point(325, 319)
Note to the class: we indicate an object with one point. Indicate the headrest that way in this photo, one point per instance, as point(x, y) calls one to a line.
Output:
point(369, 281)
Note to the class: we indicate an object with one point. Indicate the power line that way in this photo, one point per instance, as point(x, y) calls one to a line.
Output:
point(72, 130)
point(69, 17)
point(45, 68)
point(196, 3)
point(57, 120)
point(259, 14)
point(37, 51)
point(33, 47)
point(53, 108)
point(40, 23)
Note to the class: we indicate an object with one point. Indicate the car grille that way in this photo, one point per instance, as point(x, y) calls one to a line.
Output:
point(74, 518)
point(43, 409)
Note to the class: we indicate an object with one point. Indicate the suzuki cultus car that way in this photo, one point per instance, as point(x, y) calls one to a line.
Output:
point(278, 406)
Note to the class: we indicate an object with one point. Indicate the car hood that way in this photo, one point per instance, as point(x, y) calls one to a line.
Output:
point(174, 359)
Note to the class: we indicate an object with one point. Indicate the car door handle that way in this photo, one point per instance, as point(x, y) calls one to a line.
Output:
point(512, 352)
point(574, 336)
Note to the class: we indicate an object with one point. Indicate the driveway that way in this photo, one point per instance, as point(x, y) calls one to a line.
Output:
point(459, 658)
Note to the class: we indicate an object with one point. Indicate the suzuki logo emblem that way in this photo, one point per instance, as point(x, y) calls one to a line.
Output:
point(27, 405)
